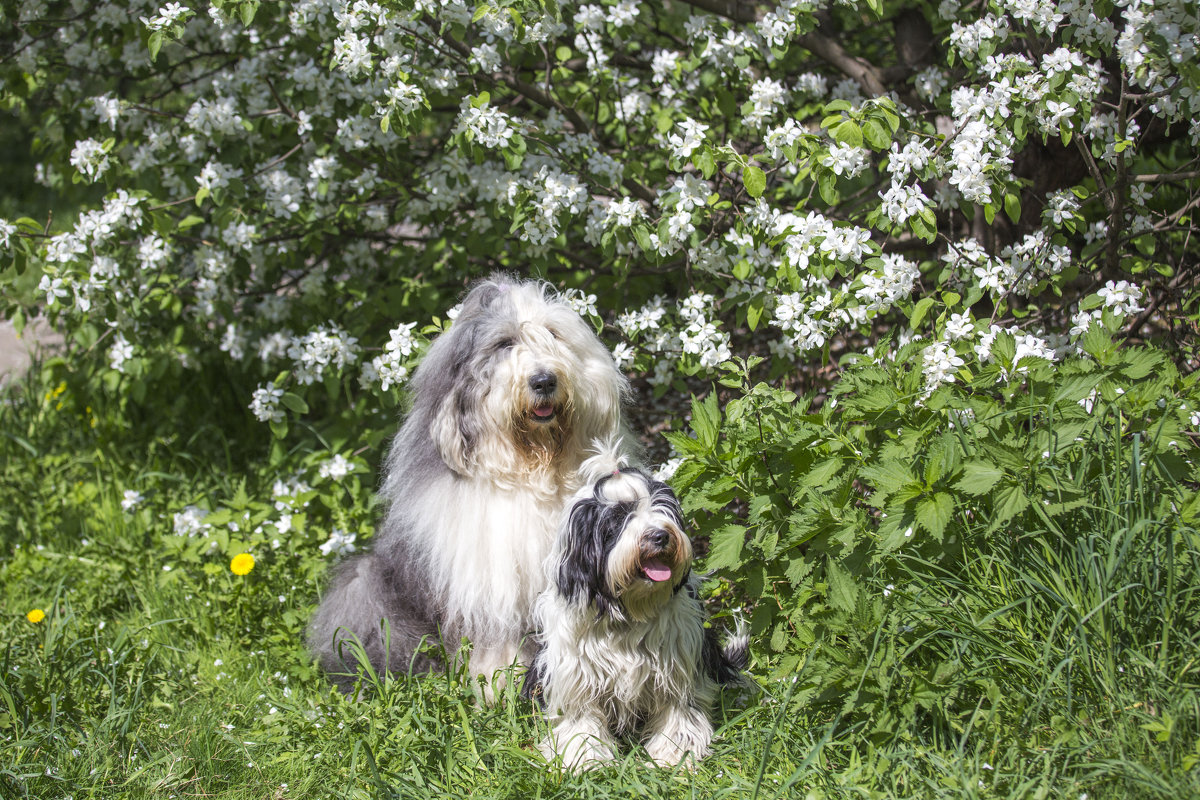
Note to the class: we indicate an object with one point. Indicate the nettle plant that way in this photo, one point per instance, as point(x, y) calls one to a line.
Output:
point(895, 542)
point(286, 198)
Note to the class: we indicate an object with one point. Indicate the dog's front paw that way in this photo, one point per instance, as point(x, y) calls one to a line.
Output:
point(578, 749)
point(664, 752)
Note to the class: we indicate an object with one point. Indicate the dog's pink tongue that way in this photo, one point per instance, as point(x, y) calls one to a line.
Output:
point(657, 571)
point(543, 411)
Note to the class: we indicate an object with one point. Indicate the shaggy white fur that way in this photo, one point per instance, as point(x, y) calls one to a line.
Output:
point(505, 405)
point(622, 639)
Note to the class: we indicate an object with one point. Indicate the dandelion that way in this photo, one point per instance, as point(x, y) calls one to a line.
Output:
point(35, 616)
point(241, 564)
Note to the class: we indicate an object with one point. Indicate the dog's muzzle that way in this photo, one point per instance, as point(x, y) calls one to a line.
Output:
point(544, 386)
point(657, 555)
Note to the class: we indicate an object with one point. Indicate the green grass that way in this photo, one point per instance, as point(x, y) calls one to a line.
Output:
point(1064, 662)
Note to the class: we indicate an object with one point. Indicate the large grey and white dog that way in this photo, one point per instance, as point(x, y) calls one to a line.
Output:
point(623, 646)
point(505, 405)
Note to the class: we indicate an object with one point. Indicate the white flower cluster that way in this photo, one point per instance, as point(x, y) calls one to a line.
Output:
point(702, 337)
point(190, 522)
point(339, 543)
point(489, 126)
point(302, 150)
point(689, 137)
point(327, 345)
point(265, 404)
point(167, 16)
point(1121, 297)
point(335, 468)
point(391, 368)
point(90, 158)
point(939, 363)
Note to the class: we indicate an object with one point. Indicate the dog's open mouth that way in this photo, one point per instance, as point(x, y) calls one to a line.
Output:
point(656, 570)
point(544, 412)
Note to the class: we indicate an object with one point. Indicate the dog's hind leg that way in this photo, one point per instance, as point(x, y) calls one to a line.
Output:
point(361, 606)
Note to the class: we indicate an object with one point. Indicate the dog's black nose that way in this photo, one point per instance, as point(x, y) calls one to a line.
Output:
point(659, 538)
point(544, 382)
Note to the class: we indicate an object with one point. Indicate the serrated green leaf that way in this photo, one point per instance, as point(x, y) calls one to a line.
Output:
point(706, 417)
point(1076, 387)
point(820, 473)
point(1009, 501)
point(725, 547)
point(842, 593)
point(933, 513)
point(978, 477)
point(1139, 363)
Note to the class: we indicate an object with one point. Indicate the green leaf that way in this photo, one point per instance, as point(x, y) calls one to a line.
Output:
point(978, 477)
point(1009, 501)
point(1012, 207)
point(848, 133)
point(755, 180)
point(820, 473)
point(827, 186)
point(919, 311)
point(1139, 363)
point(294, 402)
point(843, 592)
point(725, 547)
point(154, 44)
point(641, 235)
point(887, 476)
point(876, 134)
point(706, 417)
point(1076, 387)
point(754, 313)
point(933, 513)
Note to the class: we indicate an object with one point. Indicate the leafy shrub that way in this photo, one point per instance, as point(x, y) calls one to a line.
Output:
point(1037, 519)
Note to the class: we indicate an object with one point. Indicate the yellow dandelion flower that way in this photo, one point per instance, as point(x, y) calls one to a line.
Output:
point(241, 564)
point(36, 616)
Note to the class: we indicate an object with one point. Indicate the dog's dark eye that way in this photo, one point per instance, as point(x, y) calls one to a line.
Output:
point(553, 333)
point(504, 344)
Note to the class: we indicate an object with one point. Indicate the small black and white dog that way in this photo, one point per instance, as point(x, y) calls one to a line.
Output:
point(622, 642)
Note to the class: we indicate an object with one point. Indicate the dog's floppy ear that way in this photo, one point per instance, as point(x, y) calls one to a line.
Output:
point(581, 569)
point(449, 385)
